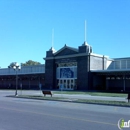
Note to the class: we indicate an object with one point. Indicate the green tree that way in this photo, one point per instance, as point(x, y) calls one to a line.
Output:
point(30, 62)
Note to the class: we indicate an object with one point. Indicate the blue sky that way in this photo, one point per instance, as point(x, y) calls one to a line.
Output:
point(26, 27)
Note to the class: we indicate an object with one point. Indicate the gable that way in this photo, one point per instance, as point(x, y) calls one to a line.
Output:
point(65, 51)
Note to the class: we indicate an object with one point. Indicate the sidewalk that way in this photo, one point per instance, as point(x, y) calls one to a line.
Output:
point(90, 97)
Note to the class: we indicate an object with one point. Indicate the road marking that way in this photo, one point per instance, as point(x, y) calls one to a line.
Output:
point(65, 117)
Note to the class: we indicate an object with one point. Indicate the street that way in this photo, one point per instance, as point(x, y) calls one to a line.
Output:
point(29, 114)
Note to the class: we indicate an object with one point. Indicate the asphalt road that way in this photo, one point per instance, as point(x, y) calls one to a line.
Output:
point(28, 114)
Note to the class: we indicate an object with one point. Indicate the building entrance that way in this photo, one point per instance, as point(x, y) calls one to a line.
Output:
point(67, 84)
point(66, 77)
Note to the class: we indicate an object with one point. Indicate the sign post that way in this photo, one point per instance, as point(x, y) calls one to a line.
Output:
point(61, 88)
point(21, 88)
point(40, 86)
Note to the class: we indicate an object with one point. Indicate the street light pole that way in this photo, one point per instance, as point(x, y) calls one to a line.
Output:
point(16, 83)
point(16, 67)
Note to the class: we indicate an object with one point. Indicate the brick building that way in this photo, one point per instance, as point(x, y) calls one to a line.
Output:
point(72, 69)
point(81, 69)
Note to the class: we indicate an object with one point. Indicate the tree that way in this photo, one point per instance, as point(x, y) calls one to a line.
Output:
point(30, 62)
